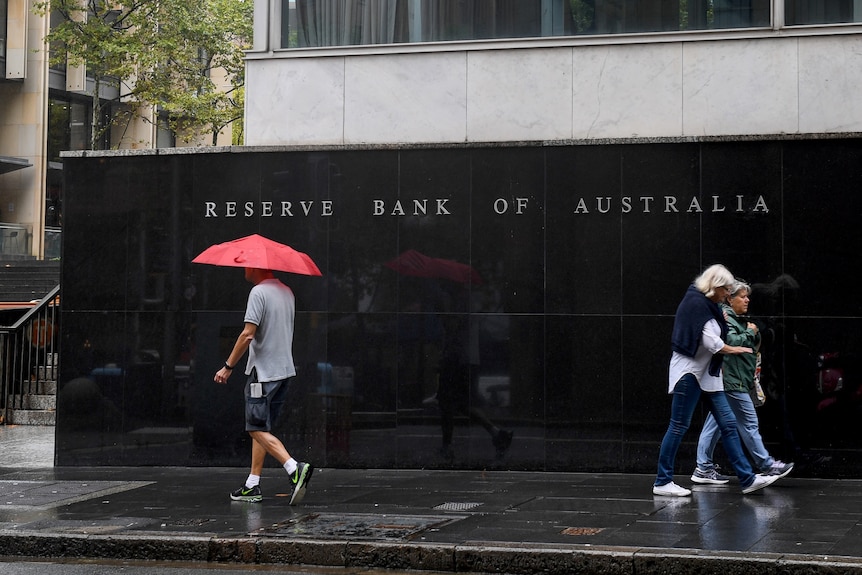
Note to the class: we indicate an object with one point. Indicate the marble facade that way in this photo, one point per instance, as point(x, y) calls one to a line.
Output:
point(721, 87)
point(583, 253)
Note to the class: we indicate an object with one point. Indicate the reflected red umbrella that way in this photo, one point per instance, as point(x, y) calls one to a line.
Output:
point(256, 251)
point(416, 264)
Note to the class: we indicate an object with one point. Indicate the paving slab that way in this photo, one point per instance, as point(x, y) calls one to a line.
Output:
point(513, 522)
point(440, 520)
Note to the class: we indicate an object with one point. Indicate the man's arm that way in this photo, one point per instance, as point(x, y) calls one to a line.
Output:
point(239, 348)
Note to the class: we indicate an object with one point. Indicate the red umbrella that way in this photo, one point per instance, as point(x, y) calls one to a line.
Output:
point(416, 264)
point(256, 251)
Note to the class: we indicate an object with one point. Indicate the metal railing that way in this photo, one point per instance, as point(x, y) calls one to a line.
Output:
point(28, 354)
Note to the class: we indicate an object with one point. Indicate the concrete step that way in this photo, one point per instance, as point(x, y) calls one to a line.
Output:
point(37, 406)
point(46, 387)
point(28, 280)
point(35, 401)
point(46, 374)
point(32, 417)
point(40, 387)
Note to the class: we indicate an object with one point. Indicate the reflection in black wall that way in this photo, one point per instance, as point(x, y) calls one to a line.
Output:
point(582, 254)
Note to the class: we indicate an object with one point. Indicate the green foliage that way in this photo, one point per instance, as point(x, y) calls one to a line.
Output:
point(160, 53)
point(583, 15)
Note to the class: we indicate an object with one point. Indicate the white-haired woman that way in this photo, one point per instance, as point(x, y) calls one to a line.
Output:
point(698, 343)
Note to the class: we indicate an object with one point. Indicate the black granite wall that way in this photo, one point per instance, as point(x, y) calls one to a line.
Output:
point(583, 253)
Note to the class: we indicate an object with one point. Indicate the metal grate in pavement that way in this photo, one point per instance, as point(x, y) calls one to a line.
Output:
point(577, 531)
point(355, 526)
point(456, 506)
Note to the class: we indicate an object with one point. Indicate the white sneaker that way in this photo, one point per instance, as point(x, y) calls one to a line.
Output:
point(760, 481)
point(671, 490)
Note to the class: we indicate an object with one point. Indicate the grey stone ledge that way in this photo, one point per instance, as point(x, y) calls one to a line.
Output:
point(455, 145)
point(514, 558)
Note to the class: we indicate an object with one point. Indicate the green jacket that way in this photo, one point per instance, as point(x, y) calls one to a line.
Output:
point(738, 370)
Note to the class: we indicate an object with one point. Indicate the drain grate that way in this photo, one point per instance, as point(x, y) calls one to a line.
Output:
point(355, 526)
point(191, 522)
point(456, 506)
point(576, 531)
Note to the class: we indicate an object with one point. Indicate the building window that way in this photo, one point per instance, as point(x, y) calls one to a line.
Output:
point(801, 12)
point(68, 126)
point(315, 23)
point(165, 136)
point(4, 18)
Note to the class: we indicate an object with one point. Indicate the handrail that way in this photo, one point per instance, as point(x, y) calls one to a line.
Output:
point(34, 310)
point(28, 358)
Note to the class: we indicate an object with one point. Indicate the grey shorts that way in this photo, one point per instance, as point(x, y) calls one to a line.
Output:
point(262, 412)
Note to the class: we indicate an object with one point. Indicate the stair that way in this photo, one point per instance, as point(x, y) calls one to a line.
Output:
point(27, 280)
point(39, 405)
point(24, 281)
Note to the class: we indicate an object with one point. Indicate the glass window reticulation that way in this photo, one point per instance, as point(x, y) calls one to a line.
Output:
point(3, 19)
point(319, 23)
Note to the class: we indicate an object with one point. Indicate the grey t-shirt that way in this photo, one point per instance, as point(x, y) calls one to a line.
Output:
point(271, 308)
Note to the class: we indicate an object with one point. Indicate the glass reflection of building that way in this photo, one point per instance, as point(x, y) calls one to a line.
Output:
point(308, 23)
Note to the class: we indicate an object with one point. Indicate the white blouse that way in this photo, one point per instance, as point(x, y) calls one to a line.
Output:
point(710, 344)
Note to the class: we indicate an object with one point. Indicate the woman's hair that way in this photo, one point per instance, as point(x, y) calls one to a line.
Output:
point(738, 286)
point(712, 277)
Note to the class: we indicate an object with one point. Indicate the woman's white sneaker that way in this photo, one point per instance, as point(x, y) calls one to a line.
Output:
point(671, 490)
point(760, 481)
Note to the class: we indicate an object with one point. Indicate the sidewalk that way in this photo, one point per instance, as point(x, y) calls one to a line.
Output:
point(512, 522)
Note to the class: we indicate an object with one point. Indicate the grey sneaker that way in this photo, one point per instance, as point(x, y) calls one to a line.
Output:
point(780, 469)
point(760, 481)
point(300, 479)
point(709, 476)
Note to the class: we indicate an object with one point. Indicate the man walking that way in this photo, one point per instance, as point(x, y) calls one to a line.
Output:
point(268, 337)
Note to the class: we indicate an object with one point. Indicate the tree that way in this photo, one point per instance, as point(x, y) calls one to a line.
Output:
point(161, 54)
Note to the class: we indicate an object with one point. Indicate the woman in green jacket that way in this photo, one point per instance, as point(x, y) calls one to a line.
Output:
point(738, 375)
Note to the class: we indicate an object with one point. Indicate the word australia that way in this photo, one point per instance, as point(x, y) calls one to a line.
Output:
point(670, 204)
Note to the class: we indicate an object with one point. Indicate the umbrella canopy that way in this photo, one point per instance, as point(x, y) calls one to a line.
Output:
point(416, 264)
point(256, 251)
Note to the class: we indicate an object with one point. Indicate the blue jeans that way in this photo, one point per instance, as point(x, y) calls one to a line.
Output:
point(686, 394)
point(748, 428)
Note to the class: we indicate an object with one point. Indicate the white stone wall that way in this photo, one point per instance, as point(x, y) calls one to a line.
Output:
point(731, 87)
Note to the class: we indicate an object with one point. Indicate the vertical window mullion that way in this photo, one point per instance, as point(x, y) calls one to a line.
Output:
point(414, 20)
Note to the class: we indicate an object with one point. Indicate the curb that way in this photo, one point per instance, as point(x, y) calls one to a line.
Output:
point(475, 557)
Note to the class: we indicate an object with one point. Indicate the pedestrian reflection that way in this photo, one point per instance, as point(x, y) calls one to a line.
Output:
point(440, 340)
point(810, 375)
point(458, 375)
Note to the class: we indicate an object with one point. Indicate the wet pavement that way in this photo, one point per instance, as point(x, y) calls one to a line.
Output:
point(468, 521)
point(26, 446)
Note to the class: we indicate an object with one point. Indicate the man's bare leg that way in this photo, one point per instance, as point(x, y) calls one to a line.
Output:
point(265, 442)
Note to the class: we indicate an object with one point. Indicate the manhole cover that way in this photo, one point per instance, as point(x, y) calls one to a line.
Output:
point(456, 506)
point(355, 526)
